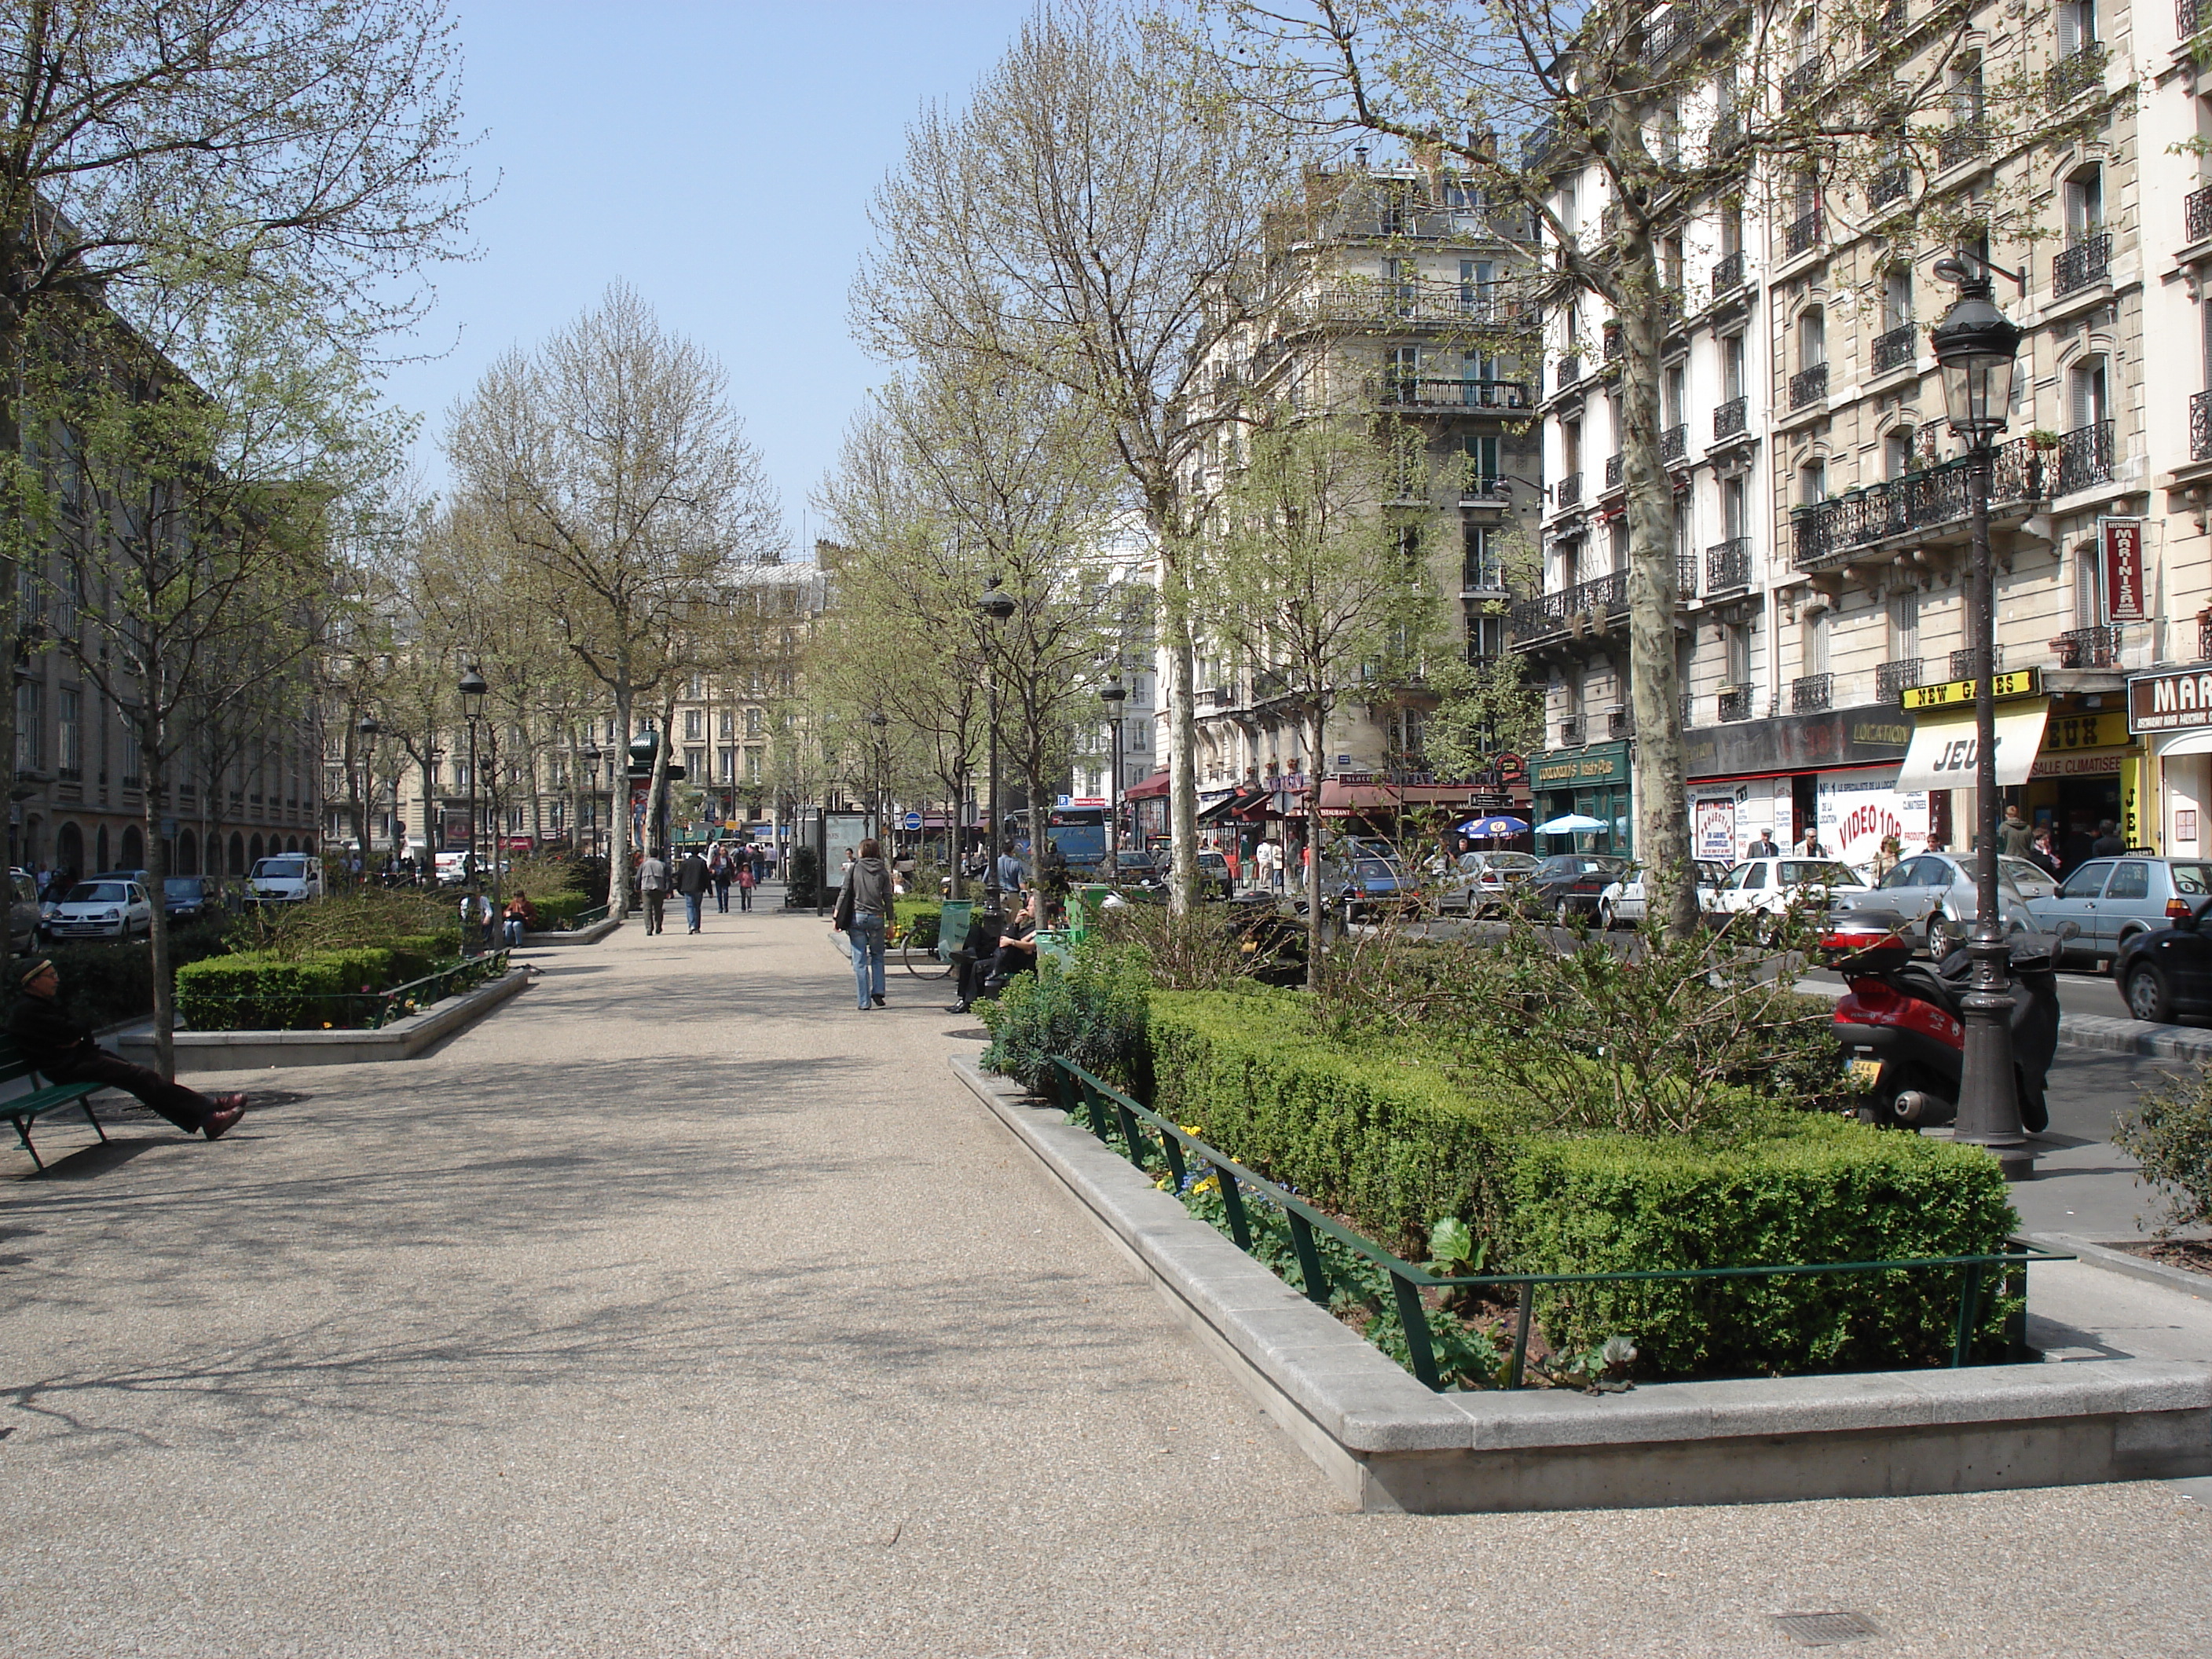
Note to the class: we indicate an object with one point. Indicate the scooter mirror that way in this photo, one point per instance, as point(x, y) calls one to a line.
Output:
point(2068, 929)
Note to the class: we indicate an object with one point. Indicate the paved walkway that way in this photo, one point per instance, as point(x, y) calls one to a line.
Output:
point(681, 1309)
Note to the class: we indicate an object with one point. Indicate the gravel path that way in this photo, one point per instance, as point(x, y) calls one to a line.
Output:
point(681, 1309)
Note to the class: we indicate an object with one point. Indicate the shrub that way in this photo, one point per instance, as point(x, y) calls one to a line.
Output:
point(804, 877)
point(372, 916)
point(558, 910)
point(1091, 1009)
point(920, 915)
point(260, 992)
point(106, 984)
point(2170, 1135)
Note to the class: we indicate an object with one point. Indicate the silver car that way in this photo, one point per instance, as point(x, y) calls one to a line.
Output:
point(2113, 900)
point(1480, 884)
point(1937, 891)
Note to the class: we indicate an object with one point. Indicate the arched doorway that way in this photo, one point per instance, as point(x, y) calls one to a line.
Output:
point(253, 852)
point(100, 850)
point(188, 853)
point(69, 849)
point(237, 853)
point(134, 848)
point(291, 843)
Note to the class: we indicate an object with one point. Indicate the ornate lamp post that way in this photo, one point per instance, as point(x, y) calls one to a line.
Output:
point(368, 727)
point(591, 757)
point(1113, 694)
point(472, 690)
point(1975, 345)
point(995, 605)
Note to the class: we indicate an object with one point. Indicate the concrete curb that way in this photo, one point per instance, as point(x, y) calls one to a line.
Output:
point(2099, 1031)
point(1387, 1444)
point(243, 1051)
point(590, 935)
point(2120, 1262)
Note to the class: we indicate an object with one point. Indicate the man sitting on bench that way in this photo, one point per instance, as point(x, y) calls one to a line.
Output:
point(64, 1052)
point(995, 952)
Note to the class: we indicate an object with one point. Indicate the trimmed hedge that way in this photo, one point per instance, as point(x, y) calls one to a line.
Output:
point(558, 909)
point(258, 992)
point(1392, 1143)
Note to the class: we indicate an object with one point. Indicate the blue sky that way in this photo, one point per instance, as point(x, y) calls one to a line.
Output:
point(720, 159)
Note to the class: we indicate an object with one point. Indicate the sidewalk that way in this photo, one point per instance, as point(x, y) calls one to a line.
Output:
point(680, 1308)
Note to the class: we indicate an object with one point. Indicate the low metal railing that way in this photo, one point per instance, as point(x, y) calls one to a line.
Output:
point(370, 1011)
point(1809, 693)
point(1106, 1111)
point(2197, 215)
point(1674, 443)
point(1895, 349)
point(1802, 234)
point(2096, 647)
point(1808, 385)
point(584, 919)
point(1732, 417)
point(1960, 144)
point(1727, 273)
point(2200, 427)
point(1892, 679)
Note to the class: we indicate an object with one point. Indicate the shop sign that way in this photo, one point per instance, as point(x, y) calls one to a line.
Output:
point(2102, 729)
point(1857, 812)
point(1946, 749)
point(2019, 683)
point(1798, 743)
point(2177, 701)
point(1583, 768)
point(1713, 825)
point(2119, 542)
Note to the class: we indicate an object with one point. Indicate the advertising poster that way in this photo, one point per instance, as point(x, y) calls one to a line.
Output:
point(1712, 820)
point(1858, 811)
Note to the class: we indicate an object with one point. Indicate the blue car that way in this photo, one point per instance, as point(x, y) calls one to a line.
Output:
point(1365, 882)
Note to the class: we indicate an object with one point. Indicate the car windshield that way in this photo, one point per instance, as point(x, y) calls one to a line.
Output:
point(1818, 873)
point(1135, 861)
point(97, 892)
point(2027, 878)
point(182, 886)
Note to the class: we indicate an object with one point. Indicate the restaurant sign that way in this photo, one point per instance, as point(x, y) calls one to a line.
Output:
point(2179, 700)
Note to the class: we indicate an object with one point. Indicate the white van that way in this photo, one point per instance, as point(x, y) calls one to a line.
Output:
point(287, 878)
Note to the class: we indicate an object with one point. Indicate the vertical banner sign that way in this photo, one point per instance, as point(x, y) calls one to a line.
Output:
point(2121, 557)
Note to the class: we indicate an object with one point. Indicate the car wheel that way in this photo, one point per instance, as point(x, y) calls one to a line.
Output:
point(1767, 928)
point(2147, 995)
point(1605, 917)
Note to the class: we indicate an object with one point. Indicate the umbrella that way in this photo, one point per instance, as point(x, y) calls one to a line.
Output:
point(1493, 829)
point(1574, 823)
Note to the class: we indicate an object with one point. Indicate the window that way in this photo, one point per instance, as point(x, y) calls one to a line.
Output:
point(1482, 457)
point(1402, 373)
point(1397, 276)
point(1812, 483)
point(1896, 297)
point(1731, 368)
point(1485, 571)
point(1477, 279)
point(1812, 645)
point(752, 766)
point(2077, 26)
point(752, 722)
point(30, 728)
point(694, 763)
point(1811, 339)
point(1670, 260)
point(2085, 205)
point(727, 770)
point(728, 724)
point(1738, 640)
point(1619, 544)
point(1731, 226)
point(2130, 880)
point(2086, 388)
point(2087, 882)
point(1570, 446)
point(71, 733)
point(1904, 626)
point(1897, 453)
point(1674, 405)
point(692, 718)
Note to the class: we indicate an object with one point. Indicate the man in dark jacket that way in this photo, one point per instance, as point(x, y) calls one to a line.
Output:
point(863, 906)
point(65, 1051)
point(692, 880)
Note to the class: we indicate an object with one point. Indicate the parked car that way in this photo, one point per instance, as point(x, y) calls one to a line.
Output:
point(1624, 902)
point(287, 878)
point(1213, 875)
point(187, 899)
point(102, 910)
point(1769, 889)
point(1481, 884)
point(450, 869)
point(1359, 881)
point(1937, 891)
point(23, 913)
point(2164, 971)
point(1140, 873)
point(1570, 884)
point(2114, 900)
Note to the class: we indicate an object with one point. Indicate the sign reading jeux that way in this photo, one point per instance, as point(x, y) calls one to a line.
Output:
point(2121, 556)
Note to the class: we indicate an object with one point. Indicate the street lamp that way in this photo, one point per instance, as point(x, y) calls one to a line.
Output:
point(591, 757)
point(1975, 345)
point(368, 727)
point(995, 605)
point(1112, 694)
point(472, 689)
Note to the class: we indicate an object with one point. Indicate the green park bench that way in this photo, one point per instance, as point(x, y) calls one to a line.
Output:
point(953, 920)
point(24, 1109)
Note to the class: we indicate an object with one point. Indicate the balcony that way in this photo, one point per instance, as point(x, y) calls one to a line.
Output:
point(1802, 235)
point(2089, 262)
point(1736, 702)
point(2204, 635)
point(1960, 145)
point(2188, 17)
point(1484, 488)
point(1613, 472)
point(1824, 534)
point(1892, 679)
point(1568, 491)
point(1685, 705)
point(1895, 349)
point(1226, 697)
point(1727, 135)
point(1456, 394)
point(1801, 83)
point(2069, 77)
point(1732, 417)
point(1570, 370)
point(2196, 216)
point(1810, 694)
point(1808, 385)
point(1614, 345)
point(1727, 273)
point(1619, 723)
point(2200, 427)
point(1674, 443)
point(1888, 185)
point(2085, 459)
point(2088, 648)
point(1552, 613)
point(1729, 565)
point(1570, 731)
point(1968, 664)
point(1685, 575)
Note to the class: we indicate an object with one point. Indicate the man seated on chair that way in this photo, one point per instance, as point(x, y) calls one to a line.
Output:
point(995, 949)
point(63, 1052)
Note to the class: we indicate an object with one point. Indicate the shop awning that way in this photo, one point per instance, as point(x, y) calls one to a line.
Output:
point(2188, 742)
point(1151, 789)
point(1341, 799)
point(1943, 750)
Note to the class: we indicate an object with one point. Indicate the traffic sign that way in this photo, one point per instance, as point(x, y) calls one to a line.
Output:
point(911, 821)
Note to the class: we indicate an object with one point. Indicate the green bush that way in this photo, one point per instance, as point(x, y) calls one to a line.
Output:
point(557, 911)
point(803, 876)
point(2170, 1135)
point(259, 992)
point(104, 985)
point(1091, 1009)
point(920, 915)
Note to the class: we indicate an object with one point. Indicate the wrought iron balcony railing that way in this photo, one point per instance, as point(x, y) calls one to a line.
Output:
point(1808, 693)
point(1732, 417)
point(1727, 273)
point(1966, 664)
point(2088, 648)
point(1568, 490)
point(1892, 679)
point(1612, 472)
point(1674, 443)
point(2087, 262)
point(1895, 349)
point(1614, 344)
point(2085, 459)
point(1685, 575)
point(2197, 215)
point(1888, 185)
point(1801, 83)
point(1918, 501)
point(2069, 77)
point(1570, 370)
point(2200, 427)
point(1961, 144)
point(1808, 385)
point(2204, 635)
point(1548, 613)
point(1729, 565)
point(1736, 702)
point(1456, 394)
point(1802, 235)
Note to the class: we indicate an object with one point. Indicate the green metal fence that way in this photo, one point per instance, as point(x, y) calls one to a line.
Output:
point(1105, 1108)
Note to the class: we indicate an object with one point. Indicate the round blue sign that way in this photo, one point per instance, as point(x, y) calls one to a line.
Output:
point(911, 821)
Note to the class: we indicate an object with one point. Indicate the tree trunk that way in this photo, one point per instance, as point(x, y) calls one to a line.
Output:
point(618, 871)
point(14, 532)
point(656, 791)
point(1315, 934)
point(1182, 746)
point(157, 875)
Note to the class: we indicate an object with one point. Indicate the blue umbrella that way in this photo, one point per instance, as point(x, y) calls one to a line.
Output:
point(1493, 829)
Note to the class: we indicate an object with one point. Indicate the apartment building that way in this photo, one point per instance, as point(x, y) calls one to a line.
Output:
point(1821, 506)
point(1398, 306)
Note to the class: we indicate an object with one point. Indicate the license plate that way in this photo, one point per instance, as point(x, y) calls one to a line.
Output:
point(1863, 1071)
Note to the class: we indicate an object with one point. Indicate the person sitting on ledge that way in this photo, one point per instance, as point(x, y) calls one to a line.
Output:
point(64, 1052)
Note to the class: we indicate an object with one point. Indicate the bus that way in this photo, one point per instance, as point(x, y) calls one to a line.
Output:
point(1079, 833)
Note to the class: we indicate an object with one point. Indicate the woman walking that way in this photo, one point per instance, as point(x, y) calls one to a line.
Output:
point(864, 905)
point(719, 871)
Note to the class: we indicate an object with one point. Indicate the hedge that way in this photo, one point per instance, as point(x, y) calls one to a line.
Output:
point(257, 991)
point(558, 909)
point(1389, 1142)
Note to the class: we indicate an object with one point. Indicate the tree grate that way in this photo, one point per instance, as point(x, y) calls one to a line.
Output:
point(1821, 1630)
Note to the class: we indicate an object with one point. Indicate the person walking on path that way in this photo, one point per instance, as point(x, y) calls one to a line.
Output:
point(745, 883)
point(653, 888)
point(692, 880)
point(65, 1052)
point(863, 903)
point(1010, 872)
point(723, 870)
point(2014, 835)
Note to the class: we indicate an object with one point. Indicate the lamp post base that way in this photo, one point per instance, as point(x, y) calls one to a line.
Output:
point(1989, 1099)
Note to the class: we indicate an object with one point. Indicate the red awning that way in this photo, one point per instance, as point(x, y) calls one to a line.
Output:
point(1343, 798)
point(1151, 789)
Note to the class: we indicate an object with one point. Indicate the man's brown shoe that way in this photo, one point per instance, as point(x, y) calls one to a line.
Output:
point(229, 1108)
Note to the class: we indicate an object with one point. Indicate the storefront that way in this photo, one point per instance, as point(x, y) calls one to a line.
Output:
point(1591, 783)
point(1834, 773)
point(2171, 713)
